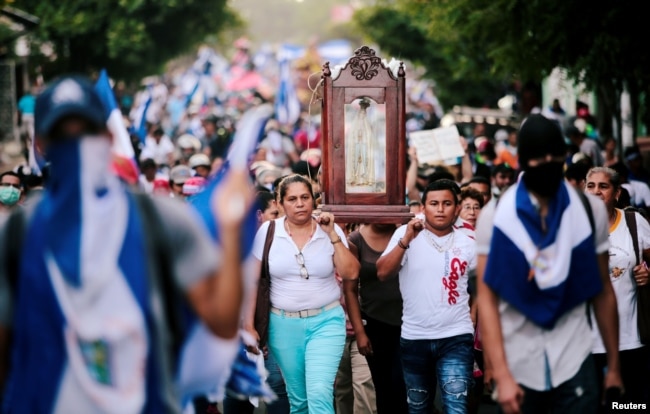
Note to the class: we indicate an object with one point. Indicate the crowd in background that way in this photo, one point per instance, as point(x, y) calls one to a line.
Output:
point(181, 137)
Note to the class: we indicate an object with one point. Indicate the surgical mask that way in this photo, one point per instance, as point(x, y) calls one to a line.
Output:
point(544, 179)
point(9, 196)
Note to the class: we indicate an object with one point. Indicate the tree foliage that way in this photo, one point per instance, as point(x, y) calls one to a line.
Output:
point(461, 70)
point(130, 38)
point(601, 44)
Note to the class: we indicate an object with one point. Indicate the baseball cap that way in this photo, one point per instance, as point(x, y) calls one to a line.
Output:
point(193, 185)
point(180, 173)
point(188, 141)
point(68, 96)
point(198, 160)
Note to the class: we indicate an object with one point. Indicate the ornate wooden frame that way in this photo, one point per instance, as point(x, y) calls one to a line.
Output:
point(364, 75)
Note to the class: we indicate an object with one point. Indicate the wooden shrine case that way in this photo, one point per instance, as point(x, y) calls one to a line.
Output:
point(364, 142)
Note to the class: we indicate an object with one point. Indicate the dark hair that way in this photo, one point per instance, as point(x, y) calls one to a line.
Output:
point(12, 174)
point(479, 179)
point(442, 185)
point(440, 173)
point(264, 199)
point(577, 171)
point(503, 168)
point(291, 179)
point(624, 199)
point(473, 194)
point(147, 163)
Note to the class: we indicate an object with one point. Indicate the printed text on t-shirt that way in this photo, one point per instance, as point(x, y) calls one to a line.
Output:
point(457, 269)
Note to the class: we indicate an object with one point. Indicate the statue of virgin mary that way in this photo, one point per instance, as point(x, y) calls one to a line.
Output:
point(360, 152)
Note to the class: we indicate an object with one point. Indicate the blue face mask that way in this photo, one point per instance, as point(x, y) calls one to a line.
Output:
point(9, 195)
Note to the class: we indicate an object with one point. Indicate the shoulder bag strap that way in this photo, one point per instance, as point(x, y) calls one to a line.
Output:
point(267, 247)
point(590, 213)
point(630, 221)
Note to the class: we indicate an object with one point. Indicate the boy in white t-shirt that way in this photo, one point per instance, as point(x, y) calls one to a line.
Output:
point(433, 261)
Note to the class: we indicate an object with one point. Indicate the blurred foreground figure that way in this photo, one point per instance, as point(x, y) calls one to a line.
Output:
point(542, 264)
point(95, 280)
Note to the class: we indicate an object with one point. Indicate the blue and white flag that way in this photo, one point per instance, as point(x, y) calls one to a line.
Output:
point(542, 274)
point(287, 104)
point(203, 367)
point(115, 122)
point(140, 117)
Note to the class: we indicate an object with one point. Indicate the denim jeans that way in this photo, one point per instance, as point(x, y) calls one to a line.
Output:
point(232, 405)
point(577, 395)
point(308, 351)
point(447, 360)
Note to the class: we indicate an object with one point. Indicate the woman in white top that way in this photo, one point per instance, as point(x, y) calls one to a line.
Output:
point(627, 276)
point(307, 322)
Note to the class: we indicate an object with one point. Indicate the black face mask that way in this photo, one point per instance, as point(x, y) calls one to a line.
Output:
point(545, 179)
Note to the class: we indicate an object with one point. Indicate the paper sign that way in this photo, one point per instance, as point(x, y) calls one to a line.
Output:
point(436, 145)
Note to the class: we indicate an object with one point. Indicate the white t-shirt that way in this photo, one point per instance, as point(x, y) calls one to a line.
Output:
point(621, 262)
point(289, 291)
point(158, 151)
point(434, 285)
point(639, 193)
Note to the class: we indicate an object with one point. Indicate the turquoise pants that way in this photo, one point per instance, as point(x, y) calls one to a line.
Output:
point(308, 351)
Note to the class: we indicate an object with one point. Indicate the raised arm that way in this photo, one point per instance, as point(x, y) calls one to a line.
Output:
point(217, 299)
point(412, 176)
point(346, 264)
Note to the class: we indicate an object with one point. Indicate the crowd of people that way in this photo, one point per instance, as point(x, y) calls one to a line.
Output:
point(521, 275)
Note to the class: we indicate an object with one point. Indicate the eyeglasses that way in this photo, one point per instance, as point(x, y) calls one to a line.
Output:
point(17, 186)
point(303, 270)
point(467, 207)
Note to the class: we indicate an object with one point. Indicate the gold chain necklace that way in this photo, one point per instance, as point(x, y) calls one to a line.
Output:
point(446, 245)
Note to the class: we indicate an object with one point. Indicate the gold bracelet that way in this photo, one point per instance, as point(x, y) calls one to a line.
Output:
point(338, 240)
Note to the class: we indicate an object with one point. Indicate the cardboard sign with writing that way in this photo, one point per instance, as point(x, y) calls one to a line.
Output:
point(435, 146)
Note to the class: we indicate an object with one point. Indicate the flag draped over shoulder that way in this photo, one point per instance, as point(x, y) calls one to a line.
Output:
point(542, 274)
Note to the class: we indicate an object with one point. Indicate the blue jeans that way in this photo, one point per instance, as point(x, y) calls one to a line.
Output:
point(232, 405)
point(447, 360)
point(308, 351)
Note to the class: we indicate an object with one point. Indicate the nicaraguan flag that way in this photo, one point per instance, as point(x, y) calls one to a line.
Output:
point(121, 140)
point(206, 361)
point(140, 118)
point(287, 105)
point(543, 274)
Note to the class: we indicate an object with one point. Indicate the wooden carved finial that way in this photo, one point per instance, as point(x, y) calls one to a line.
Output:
point(326, 70)
point(401, 72)
point(364, 65)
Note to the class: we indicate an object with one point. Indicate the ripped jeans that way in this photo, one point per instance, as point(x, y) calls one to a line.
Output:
point(447, 360)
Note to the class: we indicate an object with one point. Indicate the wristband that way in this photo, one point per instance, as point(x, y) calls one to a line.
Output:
point(402, 245)
point(338, 240)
